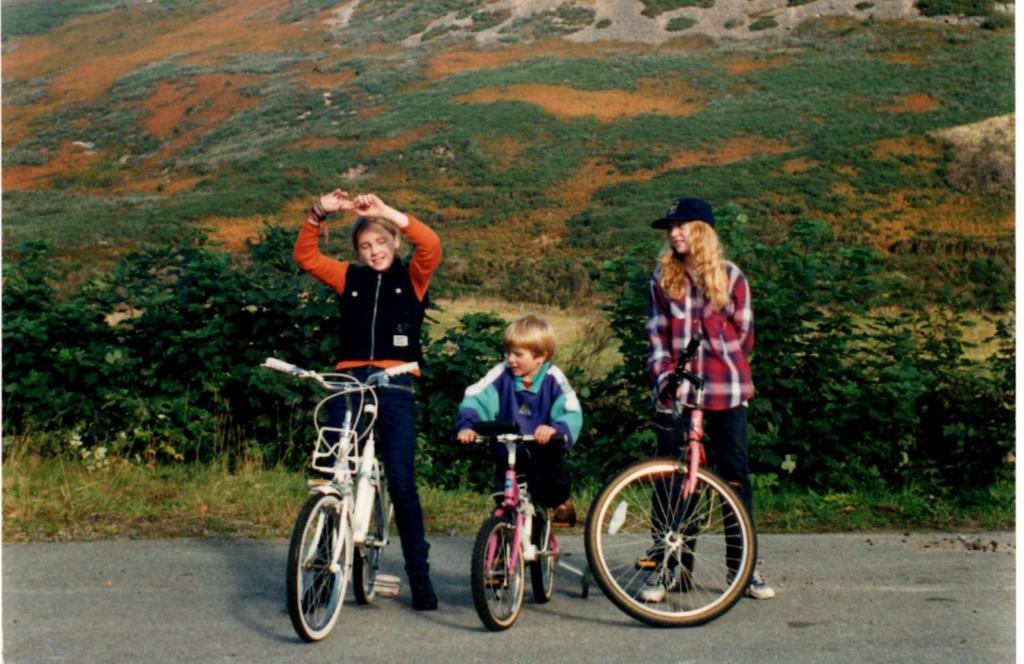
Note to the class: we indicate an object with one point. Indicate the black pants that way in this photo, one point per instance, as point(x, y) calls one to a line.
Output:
point(728, 450)
point(544, 466)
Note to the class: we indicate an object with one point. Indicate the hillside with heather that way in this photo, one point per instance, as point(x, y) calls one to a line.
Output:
point(159, 155)
point(538, 136)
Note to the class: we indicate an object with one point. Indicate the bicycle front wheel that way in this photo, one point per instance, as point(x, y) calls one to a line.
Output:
point(498, 585)
point(319, 565)
point(366, 564)
point(666, 559)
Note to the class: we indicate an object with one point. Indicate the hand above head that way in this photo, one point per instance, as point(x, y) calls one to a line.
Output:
point(337, 200)
point(466, 436)
point(370, 205)
point(543, 434)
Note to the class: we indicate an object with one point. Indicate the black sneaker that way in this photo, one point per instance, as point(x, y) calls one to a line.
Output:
point(423, 596)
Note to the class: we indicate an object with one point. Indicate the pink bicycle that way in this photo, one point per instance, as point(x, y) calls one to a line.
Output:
point(518, 533)
point(668, 541)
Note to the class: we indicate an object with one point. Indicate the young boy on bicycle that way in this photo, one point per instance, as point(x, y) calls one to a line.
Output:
point(530, 390)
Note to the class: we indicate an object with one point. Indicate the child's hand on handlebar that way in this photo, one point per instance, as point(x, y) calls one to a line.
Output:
point(543, 434)
point(466, 436)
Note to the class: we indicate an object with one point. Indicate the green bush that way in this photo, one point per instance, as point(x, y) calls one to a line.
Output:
point(847, 399)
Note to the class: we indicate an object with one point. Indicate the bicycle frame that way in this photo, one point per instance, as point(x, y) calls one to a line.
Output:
point(695, 453)
point(522, 510)
point(696, 456)
point(510, 506)
point(352, 469)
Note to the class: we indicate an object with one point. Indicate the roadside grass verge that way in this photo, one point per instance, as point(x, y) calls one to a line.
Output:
point(66, 499)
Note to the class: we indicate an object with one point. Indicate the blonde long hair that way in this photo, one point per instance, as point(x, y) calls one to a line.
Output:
point(705, 260)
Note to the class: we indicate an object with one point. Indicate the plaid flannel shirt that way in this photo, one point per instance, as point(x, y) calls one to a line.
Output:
point(728, 338)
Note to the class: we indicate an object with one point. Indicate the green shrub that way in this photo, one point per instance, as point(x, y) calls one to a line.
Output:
point(763, 23)
point(956, 7)
point(680, 23)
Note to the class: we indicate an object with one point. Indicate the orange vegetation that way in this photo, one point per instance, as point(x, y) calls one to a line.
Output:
point(913, 103)
point(664, 97)
point(458, 60)
point(909, 59)
point(799, 165)
point(595, 174)
point(916, 146)
point(88, 54)
point(165, 186)
point(463, 58)
point(214, 94)
point(319, 80)
point(316, 143)
point(739, 65)
point(232, 232)
point(69, 159)
point(900, 216)
point(376, 146)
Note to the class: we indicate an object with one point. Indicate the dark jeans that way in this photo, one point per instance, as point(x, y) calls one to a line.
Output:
point(544, 466)
point(728, 447)
point(396, 448)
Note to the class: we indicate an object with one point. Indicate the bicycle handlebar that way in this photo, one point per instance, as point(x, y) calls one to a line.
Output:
point(680, 374)
point(515, 438)
point(293, 370)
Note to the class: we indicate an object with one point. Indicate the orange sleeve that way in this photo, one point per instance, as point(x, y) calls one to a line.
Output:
point(307, 254)
point(427, 256)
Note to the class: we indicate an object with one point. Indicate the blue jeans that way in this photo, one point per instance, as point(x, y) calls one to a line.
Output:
point(396, 448)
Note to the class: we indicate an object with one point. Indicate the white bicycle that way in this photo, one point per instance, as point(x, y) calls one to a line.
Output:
point(343, 527)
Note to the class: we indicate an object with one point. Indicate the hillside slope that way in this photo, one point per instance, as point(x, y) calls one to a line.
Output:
point(538, 136)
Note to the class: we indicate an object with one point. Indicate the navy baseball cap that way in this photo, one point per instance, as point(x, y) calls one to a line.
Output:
point(686, 209)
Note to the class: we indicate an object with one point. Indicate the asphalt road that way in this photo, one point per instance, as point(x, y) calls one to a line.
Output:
point(860, 598)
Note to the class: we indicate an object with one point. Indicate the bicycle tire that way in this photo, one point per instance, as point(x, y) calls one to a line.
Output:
point(367, 561)
point(639, 526)
point(542, 570)
point(315, 592)
point(497, 591)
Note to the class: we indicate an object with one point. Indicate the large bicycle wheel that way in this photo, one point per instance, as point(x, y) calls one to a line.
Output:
point(367, 560)
point(542, 570)
point(319, 565)
point(665, 559)
point(498, 586)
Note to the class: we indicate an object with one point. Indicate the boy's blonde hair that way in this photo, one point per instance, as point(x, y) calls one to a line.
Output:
point(530, 333)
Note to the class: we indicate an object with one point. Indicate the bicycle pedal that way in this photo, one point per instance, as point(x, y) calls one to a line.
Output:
point(645, 563)
point(387, 585)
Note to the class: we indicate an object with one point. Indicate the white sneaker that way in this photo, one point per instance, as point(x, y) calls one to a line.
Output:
point(758, 588)
point(653, 591)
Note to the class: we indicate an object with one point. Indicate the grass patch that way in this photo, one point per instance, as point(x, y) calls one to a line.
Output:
point(803, 512)
point(64, 499)
point(583, 339)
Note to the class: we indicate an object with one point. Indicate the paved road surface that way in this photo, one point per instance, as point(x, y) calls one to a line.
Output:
point(842, 598)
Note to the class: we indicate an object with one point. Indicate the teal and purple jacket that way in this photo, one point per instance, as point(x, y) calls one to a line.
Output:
point(548, 400)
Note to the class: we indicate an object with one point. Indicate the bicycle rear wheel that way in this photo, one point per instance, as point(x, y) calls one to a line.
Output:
point(642, 535)
point(366, 564)
point(542, 570)
point(498, 587)
point(319, 565)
